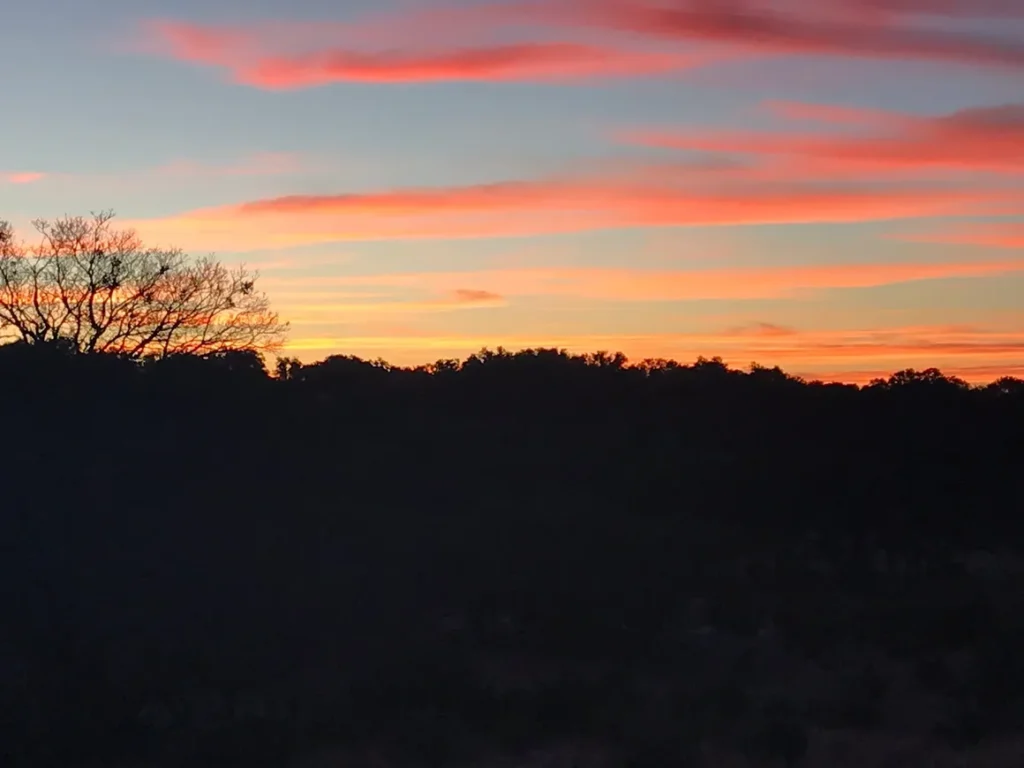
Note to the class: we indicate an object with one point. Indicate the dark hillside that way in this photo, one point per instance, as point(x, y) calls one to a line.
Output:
point(204, 562)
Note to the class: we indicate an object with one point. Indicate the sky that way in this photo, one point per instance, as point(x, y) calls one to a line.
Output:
point(832, 186)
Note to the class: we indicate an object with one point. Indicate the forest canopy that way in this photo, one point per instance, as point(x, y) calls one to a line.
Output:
point(191, 523)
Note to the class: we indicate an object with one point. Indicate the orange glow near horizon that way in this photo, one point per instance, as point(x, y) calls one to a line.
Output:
point(974, 355)
point(385, 325)
point(635, 285)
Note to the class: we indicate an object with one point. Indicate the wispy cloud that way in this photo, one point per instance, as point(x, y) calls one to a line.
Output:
point(519, 62)
point(638, 285)
point(836, 114)
point(471, 41)
point(325, 307)
point(760, 330)
point(662, 197)
point(254, 56)
point(184, 171)
point(22, 177)
point(813, 27)
point(475, 297)
point(958, 9)
point(988, 139)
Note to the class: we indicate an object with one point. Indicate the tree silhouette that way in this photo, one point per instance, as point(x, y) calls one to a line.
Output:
point(102, 290)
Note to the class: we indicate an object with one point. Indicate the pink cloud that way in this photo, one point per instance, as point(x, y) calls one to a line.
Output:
point(473, 42)
point(638, 285)
point(938, 8)
point(524, 61)
point(557, 206)
point(807, 27)
point(24, 177)
point(253, 57)
point(197, 44)
point(989, 139)
point(659, 198)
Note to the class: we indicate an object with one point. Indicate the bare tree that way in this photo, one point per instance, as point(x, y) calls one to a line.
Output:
point(103, 290)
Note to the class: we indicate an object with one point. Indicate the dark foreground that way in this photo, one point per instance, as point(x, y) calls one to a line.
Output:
point(529, 555)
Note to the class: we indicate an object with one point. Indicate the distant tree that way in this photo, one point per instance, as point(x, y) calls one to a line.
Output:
point(602, 359)
point(656, 365)
point(444, 366)
point(1007, 385)
point(774, 376)
point(102, 290)
point(913, 378)
point(287, 368)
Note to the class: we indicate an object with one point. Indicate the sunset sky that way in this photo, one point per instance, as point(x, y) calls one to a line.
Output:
point(833, 186)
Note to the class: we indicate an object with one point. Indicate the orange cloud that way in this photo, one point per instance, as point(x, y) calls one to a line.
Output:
point(664, 199)
point(610, 284)
point(476, 297)
point(989, 139)
point(760, 330)
point(320, 305)
point(23, 177)
point(252, 58)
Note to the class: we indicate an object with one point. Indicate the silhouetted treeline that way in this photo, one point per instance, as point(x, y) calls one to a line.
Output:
point(344, 538)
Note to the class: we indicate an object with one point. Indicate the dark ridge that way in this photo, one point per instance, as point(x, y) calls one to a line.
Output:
point(205, 564)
